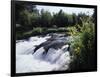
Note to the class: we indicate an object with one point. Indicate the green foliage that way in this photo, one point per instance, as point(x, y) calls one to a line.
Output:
point(45, 18)
point(39, 31)
point(29, 16)
point(60, 19)
point(84, 48)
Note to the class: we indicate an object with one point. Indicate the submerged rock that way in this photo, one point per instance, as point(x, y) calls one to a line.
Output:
point(52, 42)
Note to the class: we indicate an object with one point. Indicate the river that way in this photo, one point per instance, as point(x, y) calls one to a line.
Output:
point(56, 58)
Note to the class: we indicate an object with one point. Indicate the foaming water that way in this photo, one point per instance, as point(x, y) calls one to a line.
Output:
point(54, 60)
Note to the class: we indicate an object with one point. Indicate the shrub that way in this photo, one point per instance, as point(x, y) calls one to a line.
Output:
point(84, 48)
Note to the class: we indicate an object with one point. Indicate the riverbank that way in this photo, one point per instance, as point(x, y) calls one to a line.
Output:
point(40, 31)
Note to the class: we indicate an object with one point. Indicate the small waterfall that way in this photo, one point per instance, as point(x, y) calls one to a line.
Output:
point(54, 59)
point(39, 53)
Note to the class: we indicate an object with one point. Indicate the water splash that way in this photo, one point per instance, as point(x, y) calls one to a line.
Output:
point(55, 59)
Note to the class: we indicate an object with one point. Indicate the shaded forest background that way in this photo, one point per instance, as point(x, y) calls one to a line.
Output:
point(30, 20)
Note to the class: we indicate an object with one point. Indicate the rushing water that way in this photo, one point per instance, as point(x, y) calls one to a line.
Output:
point(55, 59)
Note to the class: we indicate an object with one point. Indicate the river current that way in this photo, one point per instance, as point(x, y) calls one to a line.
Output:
point(54, 60)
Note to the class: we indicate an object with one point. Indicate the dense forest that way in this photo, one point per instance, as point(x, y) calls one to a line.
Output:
point(30, 22)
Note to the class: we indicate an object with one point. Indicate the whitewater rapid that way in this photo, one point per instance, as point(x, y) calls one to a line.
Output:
point(54, 60)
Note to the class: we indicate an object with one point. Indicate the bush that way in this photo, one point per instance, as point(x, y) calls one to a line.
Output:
point(84, 48)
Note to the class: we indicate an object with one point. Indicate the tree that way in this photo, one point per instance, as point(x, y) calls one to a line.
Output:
point(74, 19)
point(60, 19)
point(26, 15)
point(45, 19)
